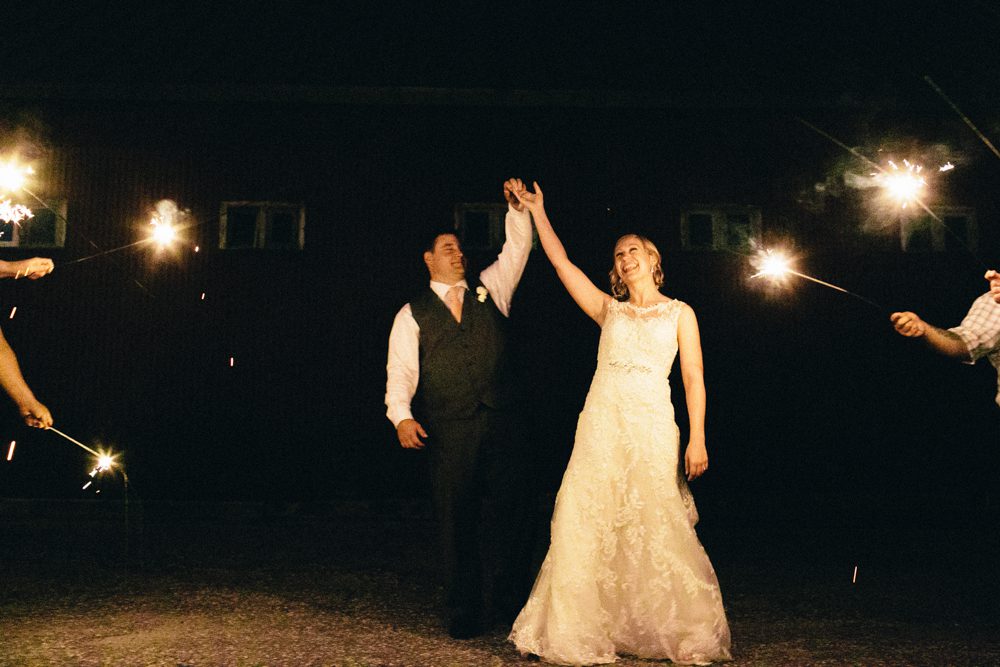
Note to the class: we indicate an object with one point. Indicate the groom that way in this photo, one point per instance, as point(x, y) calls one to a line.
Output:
point(447, 357)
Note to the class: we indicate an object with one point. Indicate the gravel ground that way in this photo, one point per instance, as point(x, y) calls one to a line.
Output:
point(242, 587)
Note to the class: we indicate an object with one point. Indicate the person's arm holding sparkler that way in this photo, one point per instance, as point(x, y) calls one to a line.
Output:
point(590, 299)
point(940, 340)
point(34, 268)
point(31, 409)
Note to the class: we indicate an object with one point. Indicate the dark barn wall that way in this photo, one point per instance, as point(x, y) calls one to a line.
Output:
point(814, 404)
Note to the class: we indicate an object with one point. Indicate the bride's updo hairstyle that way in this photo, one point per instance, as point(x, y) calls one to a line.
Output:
point(618, 287)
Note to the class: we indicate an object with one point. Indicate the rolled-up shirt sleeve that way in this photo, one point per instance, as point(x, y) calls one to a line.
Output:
point(403, 366)
point(980, 329)
point(502, 276)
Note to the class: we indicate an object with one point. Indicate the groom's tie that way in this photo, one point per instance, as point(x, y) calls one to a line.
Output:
point(453, 302)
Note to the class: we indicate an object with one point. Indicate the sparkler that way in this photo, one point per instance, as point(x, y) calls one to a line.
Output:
point(105, 461)
point(902, 185)
point(961, 115)
point(12, 178)
point(776, 266)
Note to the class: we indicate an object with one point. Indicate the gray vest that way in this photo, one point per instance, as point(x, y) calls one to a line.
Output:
point(461, 365)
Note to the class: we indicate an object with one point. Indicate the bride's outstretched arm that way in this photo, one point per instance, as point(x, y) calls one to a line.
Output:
point(584, 292)
point(693, 374)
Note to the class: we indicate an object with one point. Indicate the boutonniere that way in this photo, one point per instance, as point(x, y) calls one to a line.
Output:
point(481, 294)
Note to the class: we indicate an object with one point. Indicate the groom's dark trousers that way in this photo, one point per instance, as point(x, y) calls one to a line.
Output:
point(482, 489)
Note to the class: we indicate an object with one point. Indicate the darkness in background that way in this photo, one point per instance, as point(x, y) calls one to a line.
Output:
point(818, 412)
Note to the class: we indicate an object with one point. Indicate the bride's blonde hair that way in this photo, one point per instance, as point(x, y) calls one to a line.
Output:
point(618, 287)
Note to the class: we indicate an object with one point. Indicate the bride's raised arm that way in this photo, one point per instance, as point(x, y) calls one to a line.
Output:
point(592, 300)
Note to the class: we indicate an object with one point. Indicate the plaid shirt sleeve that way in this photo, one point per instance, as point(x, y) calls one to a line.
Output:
point(980, 330)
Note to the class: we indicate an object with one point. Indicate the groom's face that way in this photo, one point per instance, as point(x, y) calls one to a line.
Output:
point(446, 262)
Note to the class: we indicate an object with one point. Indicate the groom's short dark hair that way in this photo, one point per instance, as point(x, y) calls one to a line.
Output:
point(433, 235)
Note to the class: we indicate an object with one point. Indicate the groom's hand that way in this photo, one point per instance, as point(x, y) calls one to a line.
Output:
point(510, 186)
point(410, 431)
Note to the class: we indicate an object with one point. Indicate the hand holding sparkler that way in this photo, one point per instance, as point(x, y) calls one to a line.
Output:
point(31, 409)
point(34, 268)
point(35, 413)
point(940, 340)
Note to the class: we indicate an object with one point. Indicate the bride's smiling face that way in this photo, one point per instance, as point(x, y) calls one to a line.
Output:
point(632, 261)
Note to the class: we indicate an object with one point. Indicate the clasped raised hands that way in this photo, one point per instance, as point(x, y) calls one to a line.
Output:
point(533, 201)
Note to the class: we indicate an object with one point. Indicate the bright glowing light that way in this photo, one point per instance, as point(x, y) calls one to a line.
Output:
point(163, 233)
point(771, 265)
point(10, 452)
point(902, 185)
point(776, 266)
point(13, 176)
point(104, 463)
point(14, 213)
point(232, 362)
point(12, 312)
point(948, 166)
point(854, 579)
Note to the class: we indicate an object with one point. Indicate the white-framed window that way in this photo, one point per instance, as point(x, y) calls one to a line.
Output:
point(45, 229)
point(720, 227)
point(262, 224)
point(954, 229)
point(480, 226)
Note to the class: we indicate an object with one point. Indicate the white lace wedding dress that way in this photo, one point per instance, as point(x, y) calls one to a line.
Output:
point(625, 572)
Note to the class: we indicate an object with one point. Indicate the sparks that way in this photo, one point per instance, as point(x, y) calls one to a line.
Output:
point(771, 265)
point(776, 266)
point(105, 462)
point(854, 579)
point(163, 233)
point(14, 213)
point(13, 176)
point(902, 185)
point(948, 166)
point(10, 452)
point(12, 312)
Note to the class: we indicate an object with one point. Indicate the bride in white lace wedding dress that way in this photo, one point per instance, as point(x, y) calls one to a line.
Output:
point(625, 572)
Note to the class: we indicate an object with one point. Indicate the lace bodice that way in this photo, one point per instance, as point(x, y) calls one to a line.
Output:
point(637, 348)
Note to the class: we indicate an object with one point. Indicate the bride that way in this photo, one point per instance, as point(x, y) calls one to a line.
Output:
point(625, 572)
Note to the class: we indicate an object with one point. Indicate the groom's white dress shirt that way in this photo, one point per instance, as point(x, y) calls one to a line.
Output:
point(500, 278)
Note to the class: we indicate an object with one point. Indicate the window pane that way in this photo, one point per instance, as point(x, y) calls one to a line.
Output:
point(918, 236)
point(956, 236)
point(282, 228)
point(477, 229)
point(737, 231)
point(241, 226)
point(700, 230)
point(39, 230)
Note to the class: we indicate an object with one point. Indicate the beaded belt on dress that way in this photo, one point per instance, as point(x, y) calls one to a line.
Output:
point(628, 367)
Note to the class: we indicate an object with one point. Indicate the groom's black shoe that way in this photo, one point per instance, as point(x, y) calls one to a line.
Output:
point(465, 626)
